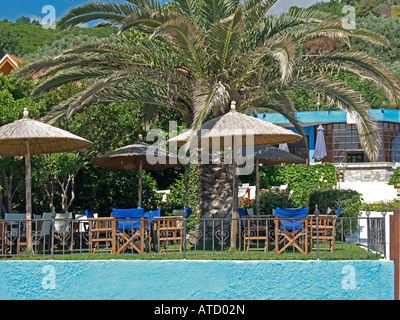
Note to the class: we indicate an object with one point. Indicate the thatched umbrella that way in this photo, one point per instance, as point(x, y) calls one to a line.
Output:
point(270, 155)
point(237, 126)
point(28, 137)
point(139, 156)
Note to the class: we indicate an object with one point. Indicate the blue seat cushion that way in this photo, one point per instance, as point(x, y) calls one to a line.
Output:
point(129, 225)
point(291, 218)
point(89, 214)
point(291, 225)
point(188, 212)
point(132, 215)
point(152, 215)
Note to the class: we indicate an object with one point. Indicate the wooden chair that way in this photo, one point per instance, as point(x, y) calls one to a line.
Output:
point(62, 230)
point(169, 230)
point(42, 233)
point(291, 229)
point(132, 235)
point(131, 230)
point(16, 235)
point(255, 231)
point(102, 231)
point(323, 230)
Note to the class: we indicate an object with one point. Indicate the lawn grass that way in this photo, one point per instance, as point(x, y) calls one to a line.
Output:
point(343, 251)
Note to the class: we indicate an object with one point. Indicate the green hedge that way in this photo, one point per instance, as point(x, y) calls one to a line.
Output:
point(302, 179)
point(349, 200)
point(176, 199)
point(395, 179)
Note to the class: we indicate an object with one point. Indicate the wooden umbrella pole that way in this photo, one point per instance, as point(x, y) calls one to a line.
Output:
point(187, 168)
point(140, 182)
point(257, 187)
point(28, 192)
point(235, 213)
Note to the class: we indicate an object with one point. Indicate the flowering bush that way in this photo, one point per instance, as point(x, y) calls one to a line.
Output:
point(378, 206)
point(268, 201)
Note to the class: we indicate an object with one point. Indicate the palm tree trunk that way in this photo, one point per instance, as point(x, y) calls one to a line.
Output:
point(217, 198)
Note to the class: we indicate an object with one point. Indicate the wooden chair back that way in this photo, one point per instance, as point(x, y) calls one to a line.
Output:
point(255, 233)
point(102, 234)
point(169, 230)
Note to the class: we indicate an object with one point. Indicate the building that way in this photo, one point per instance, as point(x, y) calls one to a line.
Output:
point(9, 63)
point(341, 135)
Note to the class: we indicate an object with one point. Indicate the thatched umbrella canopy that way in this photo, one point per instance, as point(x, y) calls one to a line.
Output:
point(237, 126)
point(139, 156)
point(270, 155)
point(26, 137)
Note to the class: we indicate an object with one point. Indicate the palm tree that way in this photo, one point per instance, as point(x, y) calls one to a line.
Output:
point(196, 56)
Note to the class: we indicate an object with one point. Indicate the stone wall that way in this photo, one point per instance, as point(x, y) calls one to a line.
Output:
point(367, 171)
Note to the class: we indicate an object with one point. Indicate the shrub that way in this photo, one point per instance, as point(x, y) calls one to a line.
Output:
point(176, 199)
point(395, 179)
point(348, 200)
point(302, 179)
point(378, 206)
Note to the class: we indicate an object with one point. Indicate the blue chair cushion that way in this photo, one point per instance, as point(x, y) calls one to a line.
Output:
point(241, 214)
point(134, 216)
point(287, 214)
point(129, 225)
point(291, 225)
point(136, 213)
point(152, 214)
point(89, 214)
point(188, 212)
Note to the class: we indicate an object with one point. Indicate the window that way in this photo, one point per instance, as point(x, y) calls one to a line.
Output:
point(390, 148)
point(342, 139)
point(298, 148)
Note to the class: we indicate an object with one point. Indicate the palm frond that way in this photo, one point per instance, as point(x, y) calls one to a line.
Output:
point(367, 67)
point(82, 99)
point(213, 11)
point(291, 23)
point(187, 39)
point(225, 35)
point(335, 29)
point(347, 99)
point(113, 12)
point(283, 52)
point(281, 103)
point(207, 97)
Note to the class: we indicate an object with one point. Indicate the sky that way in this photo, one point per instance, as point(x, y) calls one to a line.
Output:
point(13, 9)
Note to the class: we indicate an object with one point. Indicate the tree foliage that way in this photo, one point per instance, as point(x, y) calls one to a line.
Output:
point(23, 37)
point(195, 59)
